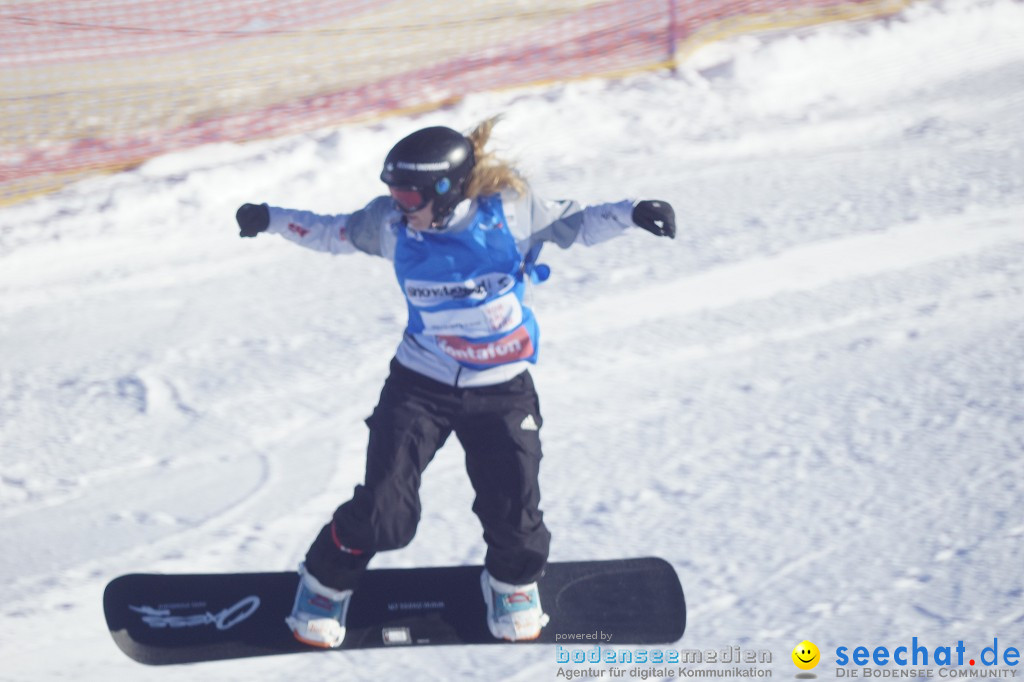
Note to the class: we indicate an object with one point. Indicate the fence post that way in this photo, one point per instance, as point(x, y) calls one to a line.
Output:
point(673, 34)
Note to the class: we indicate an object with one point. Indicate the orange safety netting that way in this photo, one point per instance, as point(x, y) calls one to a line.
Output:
point(88, 86)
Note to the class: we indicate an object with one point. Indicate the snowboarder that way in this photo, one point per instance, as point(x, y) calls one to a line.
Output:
point(463, 230)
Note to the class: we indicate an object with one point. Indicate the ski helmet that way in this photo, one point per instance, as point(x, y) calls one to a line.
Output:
point(431, 164)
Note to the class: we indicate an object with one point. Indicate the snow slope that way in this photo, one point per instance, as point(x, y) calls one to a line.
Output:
point(811, 403)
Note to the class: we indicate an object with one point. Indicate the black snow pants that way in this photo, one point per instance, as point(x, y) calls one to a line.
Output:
point(498, 427)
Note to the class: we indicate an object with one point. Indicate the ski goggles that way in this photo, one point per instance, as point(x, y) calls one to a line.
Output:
point(409, 199)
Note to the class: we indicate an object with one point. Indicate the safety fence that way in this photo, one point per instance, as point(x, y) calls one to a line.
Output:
point(88, 86)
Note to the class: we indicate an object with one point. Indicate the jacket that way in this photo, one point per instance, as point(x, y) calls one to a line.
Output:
point(464, 284)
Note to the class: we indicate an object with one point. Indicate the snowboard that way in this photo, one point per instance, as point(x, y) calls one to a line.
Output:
point(161, 619)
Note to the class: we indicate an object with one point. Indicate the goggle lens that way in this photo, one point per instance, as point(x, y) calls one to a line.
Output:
point(408, 199)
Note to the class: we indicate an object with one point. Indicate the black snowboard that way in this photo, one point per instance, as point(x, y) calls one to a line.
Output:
point(162, 619)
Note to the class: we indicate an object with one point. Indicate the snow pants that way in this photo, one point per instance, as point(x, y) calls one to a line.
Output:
point(498, 427)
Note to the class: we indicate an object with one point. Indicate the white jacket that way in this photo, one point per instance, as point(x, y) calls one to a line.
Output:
point(374, 229)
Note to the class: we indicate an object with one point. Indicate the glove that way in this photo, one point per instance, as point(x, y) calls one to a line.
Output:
point(252, 219)
point(657, 217)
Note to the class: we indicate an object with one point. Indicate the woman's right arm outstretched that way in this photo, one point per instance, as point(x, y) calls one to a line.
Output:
point(365, 230)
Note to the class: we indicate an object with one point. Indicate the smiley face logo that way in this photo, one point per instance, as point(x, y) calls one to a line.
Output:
point(806, 655)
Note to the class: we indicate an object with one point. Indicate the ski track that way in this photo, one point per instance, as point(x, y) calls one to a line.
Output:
point(811, 403)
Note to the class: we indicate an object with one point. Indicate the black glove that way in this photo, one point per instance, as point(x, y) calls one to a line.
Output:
point(657, 217)
point(252, 219)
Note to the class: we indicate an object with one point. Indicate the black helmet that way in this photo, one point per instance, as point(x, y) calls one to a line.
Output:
point(430, 164)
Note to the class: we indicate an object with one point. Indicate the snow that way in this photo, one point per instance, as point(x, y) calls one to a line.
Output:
point(811, 402)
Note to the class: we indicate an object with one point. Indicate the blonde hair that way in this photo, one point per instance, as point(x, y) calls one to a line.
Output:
point(490, 174)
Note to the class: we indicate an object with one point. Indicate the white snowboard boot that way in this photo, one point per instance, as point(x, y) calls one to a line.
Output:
point(513, 611)
point(318, 616)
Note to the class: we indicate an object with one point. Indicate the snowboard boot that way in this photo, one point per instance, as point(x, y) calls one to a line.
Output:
point(513, 611)
point(318, 616)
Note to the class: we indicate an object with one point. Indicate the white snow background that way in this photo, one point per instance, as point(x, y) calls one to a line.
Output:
point(811, 402)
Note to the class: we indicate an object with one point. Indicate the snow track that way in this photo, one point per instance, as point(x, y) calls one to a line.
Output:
point(811, 403)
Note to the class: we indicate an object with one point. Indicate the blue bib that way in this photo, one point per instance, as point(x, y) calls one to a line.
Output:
point(465, 290)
